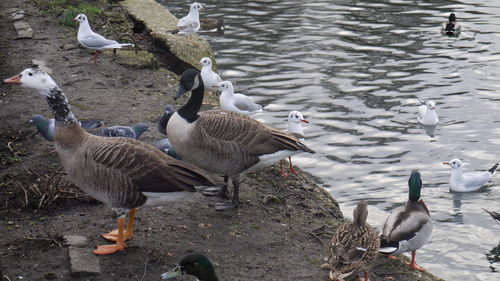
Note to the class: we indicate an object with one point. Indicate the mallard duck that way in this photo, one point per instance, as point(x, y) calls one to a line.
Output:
point(408, 227)
point(196, 265)
point(211, 79)
point(294, 121)
point(212, 23)
point(427, 113)
point(451, 27)
point(354, 246)
point(123, 173)
point(239, 103)
point(494, 215)
point(190, 24)
point(467, 182)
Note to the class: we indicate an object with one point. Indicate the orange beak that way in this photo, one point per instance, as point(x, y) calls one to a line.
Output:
point(14, 80)
point(304, 120)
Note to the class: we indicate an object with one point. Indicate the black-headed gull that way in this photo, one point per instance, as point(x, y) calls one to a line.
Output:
point(239, 103)
point(191, 23)
point(467, 182)
point(295, 120)
point(92, 40)
point(211, 79)
point(451, 27)
point(427, 113)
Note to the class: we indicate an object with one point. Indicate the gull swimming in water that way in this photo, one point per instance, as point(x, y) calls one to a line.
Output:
point(239, 103)
point(467, 182)
point(427, 113)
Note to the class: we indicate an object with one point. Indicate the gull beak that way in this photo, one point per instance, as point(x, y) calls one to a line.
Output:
point(446, 163)
point(172, 273)
point(198, 63)
point(216, 86)
point(304, 120)
point(14, 80)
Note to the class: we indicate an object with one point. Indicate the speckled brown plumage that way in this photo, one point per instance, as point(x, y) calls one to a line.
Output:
point(347, 249)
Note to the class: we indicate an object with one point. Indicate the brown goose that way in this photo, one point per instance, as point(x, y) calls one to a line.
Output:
point(123, 173)
point(225, 142)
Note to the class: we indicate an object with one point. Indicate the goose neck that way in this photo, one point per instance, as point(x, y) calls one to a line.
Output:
point(189, 111)
point(59, 105)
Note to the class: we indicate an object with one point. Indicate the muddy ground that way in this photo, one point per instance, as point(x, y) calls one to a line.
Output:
point(280, 231)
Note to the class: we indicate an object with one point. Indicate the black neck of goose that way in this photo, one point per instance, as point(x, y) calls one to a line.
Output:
point(60, 107)
point(189, 111)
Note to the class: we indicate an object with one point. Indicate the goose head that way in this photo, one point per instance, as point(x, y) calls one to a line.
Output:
point(206, 62)
point(454, 163)
point(81, 18)
point(415, 185)
point(190, 80)
point(196, 265)
point(452, 17)
point(195, 7)
point(34, 79)
point(296, 117)
point(226, 87)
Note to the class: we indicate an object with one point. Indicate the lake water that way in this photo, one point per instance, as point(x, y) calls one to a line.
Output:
point(355, 70)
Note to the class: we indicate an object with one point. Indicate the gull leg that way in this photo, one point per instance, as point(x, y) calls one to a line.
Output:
point(291, 170)
point(282, 173)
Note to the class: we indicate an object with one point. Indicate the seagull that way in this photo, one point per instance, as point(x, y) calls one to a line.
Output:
point(92, 40)
point(427, 113)
point(467, 182)
point(46, 127)
point(190, 24)
point(211, 79)
point(163, 121)
point(295, 120)
point(238, 103)
point(133, 132)
point(451, 27)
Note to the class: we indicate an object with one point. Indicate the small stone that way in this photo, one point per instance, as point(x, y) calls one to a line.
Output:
point(24, 30)
point(16, 16)
point(325, 266)
point(45, 68)
point(68, 47)
point(37, 62)
point(75, 240)
point(83, 262)
point(270, 198)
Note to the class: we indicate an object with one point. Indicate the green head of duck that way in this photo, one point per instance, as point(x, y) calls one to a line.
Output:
point(415, 184)
point(195, 264)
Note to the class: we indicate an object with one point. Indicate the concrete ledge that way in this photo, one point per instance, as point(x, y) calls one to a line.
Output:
point(183, 51)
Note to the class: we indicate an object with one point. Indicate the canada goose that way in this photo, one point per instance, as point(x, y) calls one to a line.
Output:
point(354, 245)
point(451, 27)
point(467, 182)
point(211, 79)
point(239, 103)
point(90, 39)
point(121, 172)
point(47, 127)
point(162, 122)
point(196, 265)
point(190, 24)
point(408, 227)
point(133, 132)
point(427, 113)
point(294, 121)
point(225, 142)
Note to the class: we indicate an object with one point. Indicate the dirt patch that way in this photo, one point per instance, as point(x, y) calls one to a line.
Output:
point(280, 232)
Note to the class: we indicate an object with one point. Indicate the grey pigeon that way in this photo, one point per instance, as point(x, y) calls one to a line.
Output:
point(46, 127)
point(133, 132)
point(165, 146)
point(163, 121)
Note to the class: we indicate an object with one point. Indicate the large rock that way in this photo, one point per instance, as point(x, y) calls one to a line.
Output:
point(183, 51)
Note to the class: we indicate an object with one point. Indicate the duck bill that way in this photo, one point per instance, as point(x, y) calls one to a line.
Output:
point(180, 92)
point(304, 120)
point(14, 80)
point(172, 273)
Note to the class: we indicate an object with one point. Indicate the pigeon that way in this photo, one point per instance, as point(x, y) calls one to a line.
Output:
point(46, 127)
point(190, 24)
point(210, 79)
point(467, 182)
point(133, 132)
point(239, 103)
point(427, 113)
point(163, 121)
point(165, 146)
point(295, 120)
point(92, 40)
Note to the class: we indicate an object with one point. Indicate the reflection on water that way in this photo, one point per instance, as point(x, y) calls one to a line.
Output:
point(356, 70)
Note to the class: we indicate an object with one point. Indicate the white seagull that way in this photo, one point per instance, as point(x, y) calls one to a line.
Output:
point(210, 79)
point(427, 113)
point(239, 103)
point(92, 40)
point(467, 182)
point(191, 23)
point(295, 120)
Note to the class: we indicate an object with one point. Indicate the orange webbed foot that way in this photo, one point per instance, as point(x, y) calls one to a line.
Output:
point(414, 266)
point(113, 235)
point(391, 257)
point(109, 249)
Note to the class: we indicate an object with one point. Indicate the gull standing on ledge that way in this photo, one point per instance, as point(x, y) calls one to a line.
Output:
point(467, 182)
point(295, 120)
point(210, 79)
point(190, 24)
point(92, 40)
point(238, 103)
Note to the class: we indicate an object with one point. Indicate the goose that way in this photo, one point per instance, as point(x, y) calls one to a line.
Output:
point(121, 172)
point(238, 103)
point(295, 120)
point(90, 39)
point(427, 113)
point(408, 227)
point(211, 79)
point(196, 265)
point(190, 24)
point(133, 132)
point(451, 27)
point(467, 182)
point(46, 127)
point(354, 245)
point(494, 215)
point(163, 120)
point(225, 142)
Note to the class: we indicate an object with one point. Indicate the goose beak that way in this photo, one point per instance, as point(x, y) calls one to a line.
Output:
point(305, 121)
point(180, 92)
point(446, 163)
point(172, 273)
point(14, 80)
